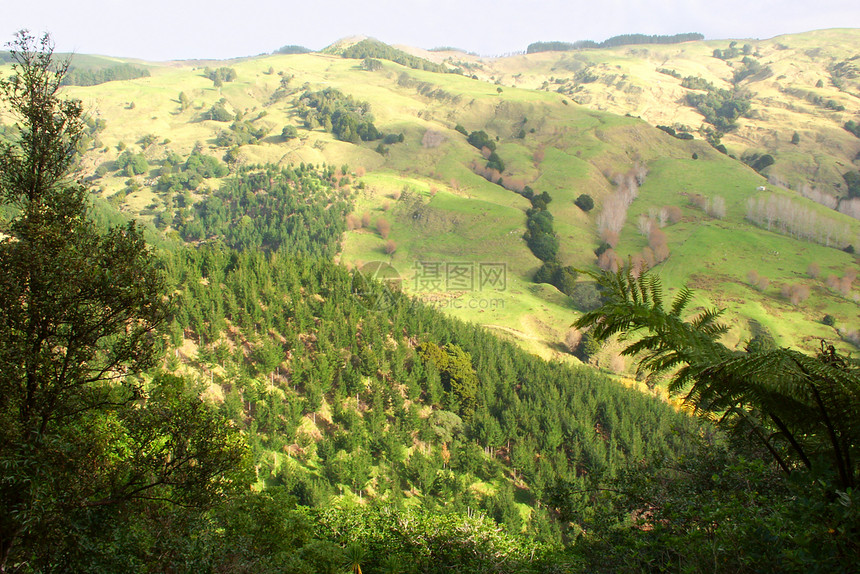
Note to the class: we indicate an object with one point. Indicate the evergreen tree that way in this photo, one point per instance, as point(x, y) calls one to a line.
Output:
point(78, 311)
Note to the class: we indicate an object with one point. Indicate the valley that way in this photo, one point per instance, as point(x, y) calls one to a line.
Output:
point(368, 262)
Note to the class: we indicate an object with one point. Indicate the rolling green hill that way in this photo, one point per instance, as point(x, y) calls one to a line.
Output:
point(320, 224)
point(436, 209)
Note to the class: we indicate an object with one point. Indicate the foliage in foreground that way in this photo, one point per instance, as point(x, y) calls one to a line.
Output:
point(80, 436)
point(720, 509)
point(802, 409)
point(724, 511)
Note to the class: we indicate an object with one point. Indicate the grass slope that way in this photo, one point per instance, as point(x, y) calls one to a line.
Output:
point(440, 211)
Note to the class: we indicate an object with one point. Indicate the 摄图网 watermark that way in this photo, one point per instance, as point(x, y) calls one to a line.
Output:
point(379, 285)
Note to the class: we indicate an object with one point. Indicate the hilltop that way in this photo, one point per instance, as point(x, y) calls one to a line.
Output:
point(806, 84)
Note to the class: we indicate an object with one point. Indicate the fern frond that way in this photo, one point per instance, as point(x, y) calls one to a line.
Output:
point(682, 299)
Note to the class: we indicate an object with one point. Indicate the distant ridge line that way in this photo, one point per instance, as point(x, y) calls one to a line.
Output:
point(622, 40)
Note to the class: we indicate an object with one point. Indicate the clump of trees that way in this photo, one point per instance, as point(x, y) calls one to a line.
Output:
point(817, 99)
point(371, 65)
point(733, 51)
point(93, 77)
point(347, 119)
point(758, 161)
point(614, 210)
point(218, 112)
point(289, 132)
point(796, 293)
point(759, 282)
point(131, 163)
point(432, 139)
point(480, 140)
point(540, 235)
point(750, 67)
point(178, 175)
point(293, 49)
point(241, 133)
point(622, 40)
point(681, 135)
point(852, 183)
point(220, 75)
point(370, 48)
point(562, 277)
point(299, 210)
point(721, 107)
point(714, 206)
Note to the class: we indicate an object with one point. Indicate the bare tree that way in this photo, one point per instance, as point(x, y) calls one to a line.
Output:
point(608, 261)
point(645, 224)
point(796, 293)
point(850, 207)
point(819, 196)
point(572, 339)
point(785, 216)
point(674, 213)
point(432, 139)
point(383, 227)
point(717, 207)
point(609, 237)
point(658, 243)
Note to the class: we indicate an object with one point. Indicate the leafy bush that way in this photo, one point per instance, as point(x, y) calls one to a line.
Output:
point(220, 75)
point(584, 202)
point(481, 140)
point(218, 112)
point(132, 163)
point(758, 161)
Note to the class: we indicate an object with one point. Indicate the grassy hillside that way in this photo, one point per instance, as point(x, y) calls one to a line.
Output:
point(808, 84)
point(438, 211)
point(346, 424)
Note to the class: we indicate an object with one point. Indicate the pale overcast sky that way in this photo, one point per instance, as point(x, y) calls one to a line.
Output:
point(183, 29)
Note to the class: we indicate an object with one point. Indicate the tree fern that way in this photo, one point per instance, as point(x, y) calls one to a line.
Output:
point(804, 409)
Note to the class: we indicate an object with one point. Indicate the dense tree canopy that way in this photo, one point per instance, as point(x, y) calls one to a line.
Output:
point(79, 307)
